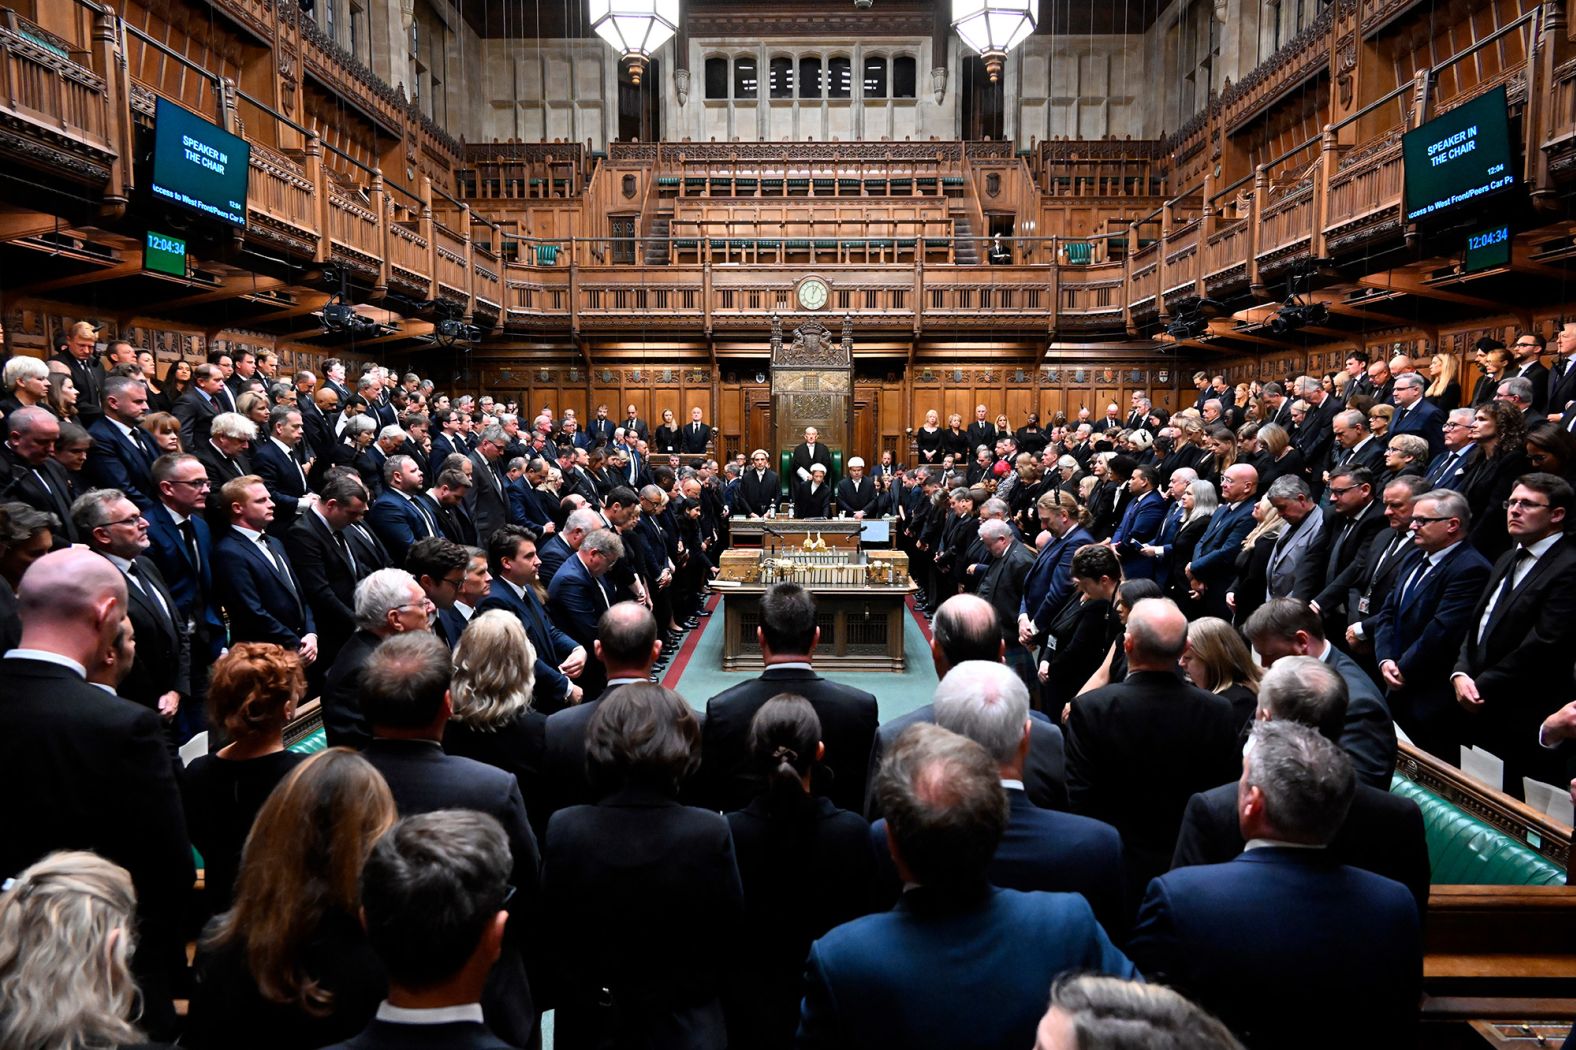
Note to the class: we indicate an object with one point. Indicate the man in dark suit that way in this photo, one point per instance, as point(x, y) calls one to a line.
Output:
point(856, 494)
point(634, 426)
point(1414, 414)
point(29, 472)
point(199, 405)
point(1287, 627)
point(1041, 849)
point(1526, 353)
point(160, 675)
point(1184, 739)
point(1002, 587)
point(600, 428)
point(257, 584)
point(890, 979)
point(405, 696)
point(401, 515)
point(78, 351)
point(1382, 833)
point(1354, 518)
point(1387, 553)
point(758, 490)
point(433, 899)
point(387, 602)
point(809, 451)
point(729, 775)
point(95, 770)
point(123, 453)
point(580, 594)
point(965, 628)
point(224, 456)
point(487, 500)
point(1140, 524)
point(1314, 438)
point(512, 558)
point(1277, 406)
point(1515, 663)
point(277, 461)
point(558, 548)
point(1214, 563)
point(1448, 470)
point(446, 439)
point(1050, 580)
point(695, 436)
point(1562, 377)
point(982, 431)
point(180, 544)
point(1275, 941)
point(446, 499)
point(1423, 622)
point(326, 555)
point(1355, 445)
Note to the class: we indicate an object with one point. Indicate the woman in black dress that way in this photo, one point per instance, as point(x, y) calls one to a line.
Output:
point(642, 901)
point(252, 695)
point(955, 439)
point(1082, 632)
point(289, 967)
point(1443, 390)
point(929, 438)
point(665, 439)
point(1199, 503)
point(493, 721)
point(177, 380)
point(158, 398)
point(1249, 588)
point(1278, 457)
point(1218, 659)
point(806, 867)
point(1499, 431)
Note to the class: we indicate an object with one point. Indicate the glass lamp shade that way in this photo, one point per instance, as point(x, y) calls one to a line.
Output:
point(994, 27)
point(635, 28)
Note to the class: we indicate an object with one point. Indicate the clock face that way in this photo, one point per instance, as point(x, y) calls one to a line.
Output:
point(813, 293)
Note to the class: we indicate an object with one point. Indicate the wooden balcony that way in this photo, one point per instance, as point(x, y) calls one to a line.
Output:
point(54, 108)
point(281, 202)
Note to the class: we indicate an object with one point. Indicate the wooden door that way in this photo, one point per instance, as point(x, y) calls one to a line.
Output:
point(759, 427)
point(863, 444)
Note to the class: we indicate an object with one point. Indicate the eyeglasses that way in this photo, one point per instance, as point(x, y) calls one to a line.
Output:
point(133, 519)
point(1522, 504)
point(1341, 492)
point(1456, 426)
point(200, 483)
point(1419, 522)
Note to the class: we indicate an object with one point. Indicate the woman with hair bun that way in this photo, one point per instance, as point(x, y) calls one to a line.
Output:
point(66, 939)
point(806, 866)
point(253, 692)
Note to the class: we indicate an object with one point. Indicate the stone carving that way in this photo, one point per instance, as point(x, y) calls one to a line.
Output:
point(812, 345)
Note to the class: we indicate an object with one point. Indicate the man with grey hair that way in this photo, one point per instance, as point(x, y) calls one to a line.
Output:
point(1183, 738)
point(29, 472)
point(1449, 468)
point(1383, 833)
point(278, 462)
point(1354, 443)
point(387, 602)
point(1041, 848)
point(1518, 391)
point(1002, 587)
point(1276, 941)
point(1415, 414)
point(580, 593)
point(26, 382)
point(1296, 563)
point(402, 513)
point(488, 499)
point(197, 407)
point(113, 527)
point(1314, 438)
point(885, 980)
point(558, 548)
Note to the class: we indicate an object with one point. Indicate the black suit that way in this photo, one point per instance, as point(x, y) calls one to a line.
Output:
point(1346, 541)
point(758, 493)
point(45, 487)
point(88, 377)
point(1368, 453)
point(329, 578)
point(644, 906)
point(86, 770)
point(1383, 833)
point(694, 438)
point(730, 776)
point(1522, 664)
point(285, 478)
point(317, 430)
point(982, 433)
point(1138, 750)
point(423, 779)
point(1534, 372)
point(816, 504)
point(195, 410)
point(486, 499)
point(856, 496)
point(1562, 385)
point(1003, 588)
point(220, 469)
point(804, 456)
point(164, 658)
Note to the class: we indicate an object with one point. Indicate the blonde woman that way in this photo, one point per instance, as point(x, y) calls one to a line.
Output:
point(1251, 585)
point(1444, 389)
point(1218, 659)
point(66, 939)
point(929, 438)
point(493, 721)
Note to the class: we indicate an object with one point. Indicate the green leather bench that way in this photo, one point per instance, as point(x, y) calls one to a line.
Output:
point(547, 255)
point(1079, 253)
point(1463, 850)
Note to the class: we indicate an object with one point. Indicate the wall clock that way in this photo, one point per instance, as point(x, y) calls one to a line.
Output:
point(813, 293)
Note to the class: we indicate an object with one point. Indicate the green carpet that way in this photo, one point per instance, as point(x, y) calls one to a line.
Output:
point(897, 694)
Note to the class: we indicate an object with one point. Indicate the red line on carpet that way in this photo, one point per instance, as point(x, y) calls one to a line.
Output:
point(691, 640)
point(919, 618)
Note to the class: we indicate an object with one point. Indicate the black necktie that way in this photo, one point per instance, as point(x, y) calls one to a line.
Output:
point(1414, 578)
point(155, 599)
point(189, 534)
point(1502, 597)
point(344, 548)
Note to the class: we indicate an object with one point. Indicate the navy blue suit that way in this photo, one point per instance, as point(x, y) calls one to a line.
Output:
point(1423, 634)
point(1215, 557)
point(576, 601)
point(1050, 579)
point(553, 551)
point(552, 645)
point(264, 601)
point(399, 523)
point(1448, 470)
point(443, 446)
point(1140, 524)
point(1284, 944)
point(946, 971)
point(1423, 419)
point(117, 462)
point(191, 586)
point(285, 479)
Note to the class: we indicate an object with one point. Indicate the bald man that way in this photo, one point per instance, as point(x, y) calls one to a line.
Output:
point(1183, 739)
point(94, 770)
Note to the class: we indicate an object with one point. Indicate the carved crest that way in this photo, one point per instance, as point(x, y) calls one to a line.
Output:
point(812, 345)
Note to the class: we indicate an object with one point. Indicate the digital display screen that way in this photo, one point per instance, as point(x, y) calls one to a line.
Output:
point(1488, 249)
point(198, 165)
point(1458, 159)
point(162, 253)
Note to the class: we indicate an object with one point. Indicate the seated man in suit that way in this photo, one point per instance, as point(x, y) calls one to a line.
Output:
point(1383, 833)
point(580, 594)
point(729, 776)
point(1183, 738)
point(405, 697)
point(1041, 848)
point(1287, 627)
point(809, 451)
point(401, 515)
point(512, 558)
point(433, 893)
point(965, 628)
point(758, 492)
point(257, 585)
point(856, 494)
point(890, 979)
point(813, 498)
point(1283, 942)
